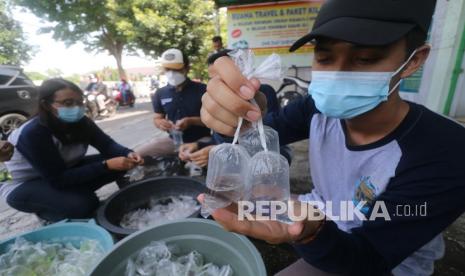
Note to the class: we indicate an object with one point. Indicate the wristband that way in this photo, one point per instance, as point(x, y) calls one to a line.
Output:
point(105, 165)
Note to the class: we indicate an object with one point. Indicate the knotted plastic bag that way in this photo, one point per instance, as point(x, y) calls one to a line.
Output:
point(268, 176)
point(226, 176)
point(229, 175)
point(250, 139)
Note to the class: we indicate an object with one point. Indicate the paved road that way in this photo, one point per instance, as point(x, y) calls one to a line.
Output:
point(129, 127)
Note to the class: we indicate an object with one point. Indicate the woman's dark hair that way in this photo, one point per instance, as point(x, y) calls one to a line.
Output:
point(67, 133)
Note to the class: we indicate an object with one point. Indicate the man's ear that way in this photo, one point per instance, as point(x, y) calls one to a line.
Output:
point(416, 62)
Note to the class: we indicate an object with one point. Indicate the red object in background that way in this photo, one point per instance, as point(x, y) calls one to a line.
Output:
point(120, 100)
point(236, 33)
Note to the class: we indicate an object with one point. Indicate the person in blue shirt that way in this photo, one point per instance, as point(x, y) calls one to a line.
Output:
point(176, 106)
point(51, 174)
point(126, 92)
point(398, 164)
point(198, 152)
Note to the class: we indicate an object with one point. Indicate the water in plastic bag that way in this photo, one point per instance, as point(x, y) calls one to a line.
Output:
point(135, 174)
point(269, 180)
point(176, 135)
point(226, 177)
point(25, 258)
point(161, 259)
point(160, 211)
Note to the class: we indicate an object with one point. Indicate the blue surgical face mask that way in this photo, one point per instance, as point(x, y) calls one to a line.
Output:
point(71, 114)
point(345, 95)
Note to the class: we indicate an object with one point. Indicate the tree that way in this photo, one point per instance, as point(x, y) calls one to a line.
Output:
point(54, 73)
point(36, 76)
point(155, 26)
point(13, 47)
point(76, 78)
point(91, 22)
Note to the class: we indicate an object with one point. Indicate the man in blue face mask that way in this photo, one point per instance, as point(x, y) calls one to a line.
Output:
point(369, 148)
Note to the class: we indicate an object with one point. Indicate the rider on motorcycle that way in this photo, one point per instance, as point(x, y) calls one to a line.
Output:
point(97, 92)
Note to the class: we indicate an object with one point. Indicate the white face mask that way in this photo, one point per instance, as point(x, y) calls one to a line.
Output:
point(175, 78)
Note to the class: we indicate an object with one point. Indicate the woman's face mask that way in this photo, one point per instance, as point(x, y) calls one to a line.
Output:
point(71, 114)
point(70, 109)
point(345, 95)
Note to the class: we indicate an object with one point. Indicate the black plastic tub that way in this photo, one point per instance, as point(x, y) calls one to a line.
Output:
point(138, 195)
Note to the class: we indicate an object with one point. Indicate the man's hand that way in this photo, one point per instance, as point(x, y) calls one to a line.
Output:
point(136, 158)
point(227, 98)
point(183, 124)
point(121, 164)
point(200, 157)
point(6, 151)
point(163, 124)
point(273, 232)
point(185, 150)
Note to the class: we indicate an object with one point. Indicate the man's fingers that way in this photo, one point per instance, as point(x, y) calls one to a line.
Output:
point(230, 222)
point(232, 76)
point(203, 163)
point(216, 125)
point(230, 101)
point(220, 112)
point(255, 83)
point(295, 229)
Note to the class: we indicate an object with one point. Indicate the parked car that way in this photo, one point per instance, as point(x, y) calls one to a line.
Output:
point(18, 99)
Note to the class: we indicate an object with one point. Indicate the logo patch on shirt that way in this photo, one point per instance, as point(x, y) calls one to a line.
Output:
point(166, 100)
point(365, 191)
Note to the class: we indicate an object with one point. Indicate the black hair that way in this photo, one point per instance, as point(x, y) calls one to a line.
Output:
point(49, 87)
point(223, 53)
point(415, 39)
point(217, 39)
point(66, 133)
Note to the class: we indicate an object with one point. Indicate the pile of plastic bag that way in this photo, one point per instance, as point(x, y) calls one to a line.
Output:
point(167, 260)
point(178, 207)
point(25, 258)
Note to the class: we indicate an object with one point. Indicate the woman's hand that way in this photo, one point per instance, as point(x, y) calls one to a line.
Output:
point(136, 158)
point(185, 150)
point(6, 151)
point(121, 164)
point(200, 157)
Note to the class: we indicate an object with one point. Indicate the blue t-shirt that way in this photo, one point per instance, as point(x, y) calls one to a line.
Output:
point(182, 104)
point(271, 98)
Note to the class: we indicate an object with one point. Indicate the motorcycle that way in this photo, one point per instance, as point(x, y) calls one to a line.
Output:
point(120, 100)
point(92, 110)
point(285, 97)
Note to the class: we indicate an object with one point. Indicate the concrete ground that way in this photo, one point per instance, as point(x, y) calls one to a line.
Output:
point(132, 127)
